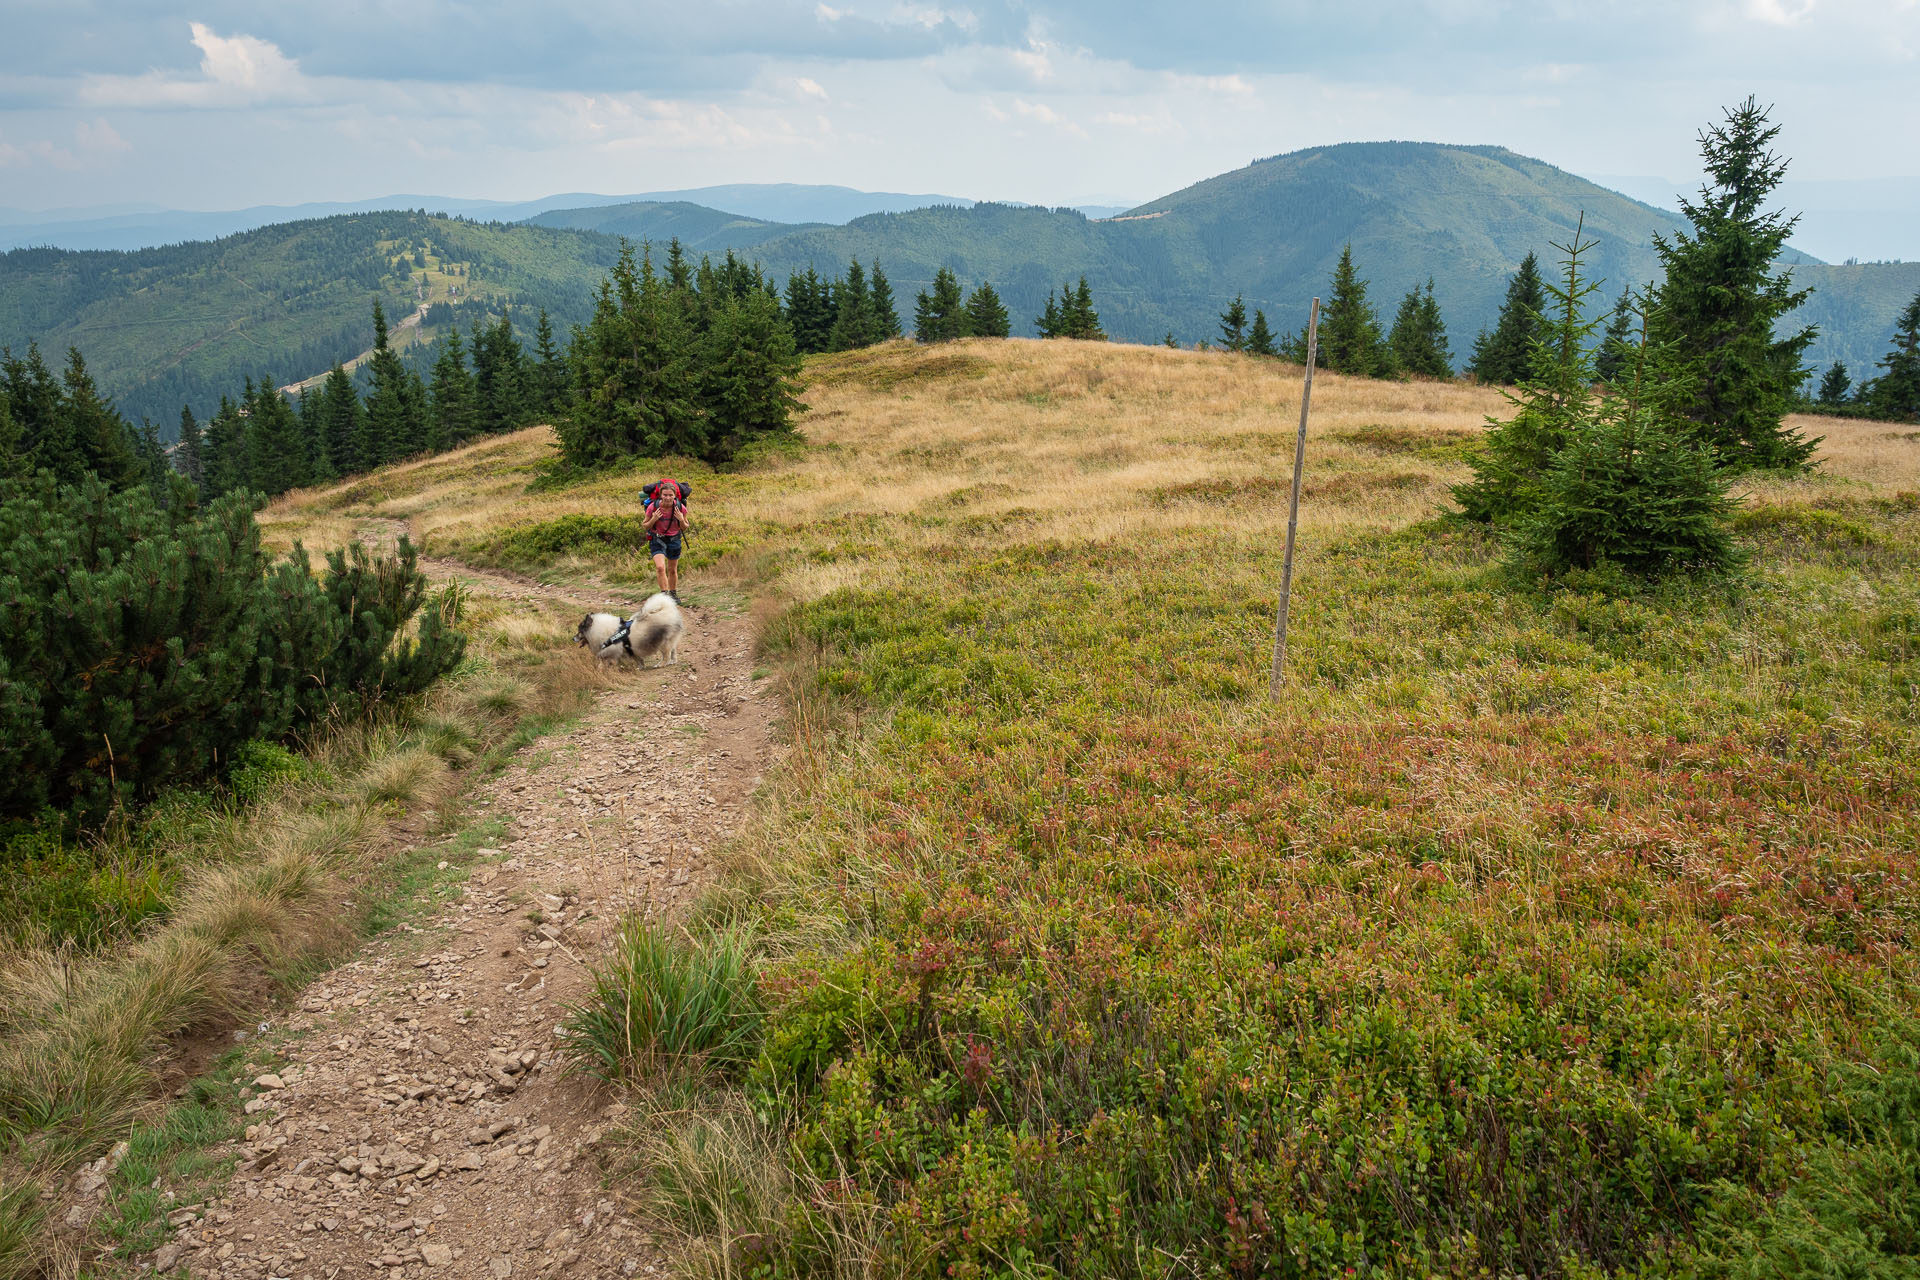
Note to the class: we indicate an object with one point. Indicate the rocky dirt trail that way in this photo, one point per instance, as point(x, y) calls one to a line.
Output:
point(419, 1123)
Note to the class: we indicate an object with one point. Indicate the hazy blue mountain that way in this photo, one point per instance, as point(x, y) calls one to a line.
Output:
point(147, 226)
point(794, 202)
point(699, 229)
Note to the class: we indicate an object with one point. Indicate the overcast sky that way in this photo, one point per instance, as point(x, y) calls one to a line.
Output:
point(220, 104)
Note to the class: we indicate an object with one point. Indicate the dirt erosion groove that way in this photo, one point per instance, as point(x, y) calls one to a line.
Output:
point(420, 1123)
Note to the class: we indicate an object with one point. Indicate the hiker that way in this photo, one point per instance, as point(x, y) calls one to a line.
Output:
point(665, 524)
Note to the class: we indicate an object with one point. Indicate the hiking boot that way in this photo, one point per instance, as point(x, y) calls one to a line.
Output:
point(675, 595)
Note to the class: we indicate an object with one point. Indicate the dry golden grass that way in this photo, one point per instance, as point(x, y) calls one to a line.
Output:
point(1064, 441)
point(1071, 439)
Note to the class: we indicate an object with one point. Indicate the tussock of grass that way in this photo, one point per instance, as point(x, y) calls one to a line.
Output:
point(407, 777)
point(669, 999)
point(20, 1240)
point(711, 1173)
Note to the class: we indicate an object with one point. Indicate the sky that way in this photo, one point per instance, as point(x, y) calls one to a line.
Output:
point(216, 104)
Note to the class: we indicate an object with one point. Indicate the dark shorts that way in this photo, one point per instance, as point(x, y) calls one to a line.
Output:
point(668, 547)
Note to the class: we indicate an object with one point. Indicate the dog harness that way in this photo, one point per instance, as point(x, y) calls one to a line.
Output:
point(620, 638)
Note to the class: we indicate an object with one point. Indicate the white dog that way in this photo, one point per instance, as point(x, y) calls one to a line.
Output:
point(655, 629)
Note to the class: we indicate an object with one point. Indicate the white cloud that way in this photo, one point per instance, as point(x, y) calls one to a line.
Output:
point(1044, 114)
point(98, 135)
point(37, 152)
point(827, 13)
point(90, 138)
point(1780, 13)
point(235, 71)
point(810, 87)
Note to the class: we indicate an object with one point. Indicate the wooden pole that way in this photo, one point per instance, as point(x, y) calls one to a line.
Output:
point(1293, 509)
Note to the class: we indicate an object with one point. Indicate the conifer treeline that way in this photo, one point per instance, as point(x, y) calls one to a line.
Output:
point(690, 362)
point(840, 314)
point(1895, 394)
point(62, 424)
point(482, 385)
point(1351, 340)
point(942, 315)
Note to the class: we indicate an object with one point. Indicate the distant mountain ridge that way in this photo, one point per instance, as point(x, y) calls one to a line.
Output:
point(143, 227)
point(189, 321)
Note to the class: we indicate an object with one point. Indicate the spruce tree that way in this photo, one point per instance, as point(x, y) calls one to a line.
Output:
point(1418, 342)
point(225, 450)
point(500, 373)
point(1575, 480)
point(451, 397)
point(1169, 342)
point(1260, 337)
point(33, 395)
point(105, 443)
point(1714, 315)
point(13, 458)
point(809, 314)
point(547, 392)
point(748, 373)
point(313, 430)
point(1632, 487)
point(1834, 386)
point(638, 389)
point(1616, 344)
point(986, 316)
point(885, 324)
point(189, 457)
point(1349, 332)
point(1233, 325)
point(1895, 394)
point(388, 434)
point(1081, 320)
point(277, 454)
point(343, 422)
point(1502, 355)
point(941, 315)
point(1048, 322)
point(153, 459)
point(853, 320)
point(1549, 407)
point(679, 276)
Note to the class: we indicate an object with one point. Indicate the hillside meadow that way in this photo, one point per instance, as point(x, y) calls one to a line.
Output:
point(1533, 931)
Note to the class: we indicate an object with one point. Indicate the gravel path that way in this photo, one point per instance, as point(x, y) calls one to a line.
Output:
point(421, 1125)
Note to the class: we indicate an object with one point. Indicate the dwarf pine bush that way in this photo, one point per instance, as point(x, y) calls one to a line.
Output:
point(142, 644)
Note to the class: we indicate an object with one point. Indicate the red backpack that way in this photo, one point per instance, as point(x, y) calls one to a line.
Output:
point(675, 491)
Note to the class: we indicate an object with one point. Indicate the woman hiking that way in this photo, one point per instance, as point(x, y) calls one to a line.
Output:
point(666, 524)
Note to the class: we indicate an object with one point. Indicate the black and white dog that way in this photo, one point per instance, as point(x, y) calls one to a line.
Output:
point(655, 630)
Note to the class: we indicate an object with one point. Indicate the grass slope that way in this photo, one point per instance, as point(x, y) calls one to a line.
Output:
point(1545, 932)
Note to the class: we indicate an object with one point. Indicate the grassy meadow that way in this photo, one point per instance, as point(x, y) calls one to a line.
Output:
point(1534, 931)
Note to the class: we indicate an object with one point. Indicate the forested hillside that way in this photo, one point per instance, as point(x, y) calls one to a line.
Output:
point(186, 323)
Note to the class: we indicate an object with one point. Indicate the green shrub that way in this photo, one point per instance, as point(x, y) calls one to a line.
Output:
point(142, 645)
point(260, 766)
point(667, 998)
point(548, 540)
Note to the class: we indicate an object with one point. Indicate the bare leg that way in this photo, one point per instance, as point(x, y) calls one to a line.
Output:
point(671, 575)
point(663, 572)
